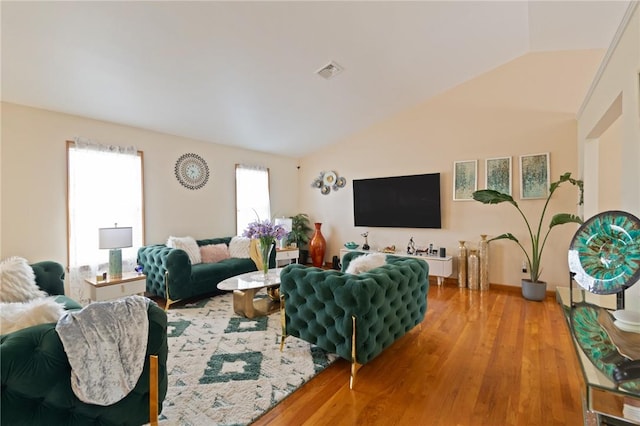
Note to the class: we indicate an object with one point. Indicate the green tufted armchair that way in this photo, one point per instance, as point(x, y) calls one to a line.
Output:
point(36, 375)
point(354, 316)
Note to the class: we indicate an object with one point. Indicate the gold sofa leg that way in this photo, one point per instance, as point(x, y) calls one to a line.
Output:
point(168, 299)
point(153, 390)
point(354, 365)
point(283, 323)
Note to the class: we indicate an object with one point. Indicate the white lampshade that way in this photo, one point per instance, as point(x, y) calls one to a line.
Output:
point(112, 238)
point(285, 222)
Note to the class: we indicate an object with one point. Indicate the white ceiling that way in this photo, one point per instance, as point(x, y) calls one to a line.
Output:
point(243, 73)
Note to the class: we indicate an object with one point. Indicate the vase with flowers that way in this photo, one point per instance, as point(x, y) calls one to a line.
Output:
point(266, 232)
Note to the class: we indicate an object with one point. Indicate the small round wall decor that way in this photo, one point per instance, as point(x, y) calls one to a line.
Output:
point(328, 181)
point(192, 171)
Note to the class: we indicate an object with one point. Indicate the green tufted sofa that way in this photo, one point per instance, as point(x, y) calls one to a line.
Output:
point(171, 275)
point(36, 375)
point(333, 309)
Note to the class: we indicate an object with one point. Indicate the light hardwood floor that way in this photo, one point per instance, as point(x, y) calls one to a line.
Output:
point(478, 358)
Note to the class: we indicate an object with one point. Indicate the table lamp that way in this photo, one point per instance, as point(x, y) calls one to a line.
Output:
point(114, 239)
point(287, 224)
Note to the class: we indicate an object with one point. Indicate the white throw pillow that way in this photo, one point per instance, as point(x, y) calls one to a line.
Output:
point(187, 244)
point(16, 316)
point(239, 247)
point(18, 281)
point(366, 263)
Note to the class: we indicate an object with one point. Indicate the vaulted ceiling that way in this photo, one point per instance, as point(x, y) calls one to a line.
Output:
point(244, 73)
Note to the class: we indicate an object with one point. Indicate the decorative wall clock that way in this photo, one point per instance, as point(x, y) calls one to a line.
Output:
point(192, 171)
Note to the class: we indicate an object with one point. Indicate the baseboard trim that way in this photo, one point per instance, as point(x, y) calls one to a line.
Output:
point(502, 287)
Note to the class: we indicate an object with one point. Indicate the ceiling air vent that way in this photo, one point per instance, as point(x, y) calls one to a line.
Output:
point(329, 70)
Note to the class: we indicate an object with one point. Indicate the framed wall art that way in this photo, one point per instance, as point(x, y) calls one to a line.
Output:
point(465, 179)
point(498, 174)
point(534, 176)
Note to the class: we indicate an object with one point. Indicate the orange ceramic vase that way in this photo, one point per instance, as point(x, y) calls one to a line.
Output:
point(317, 247)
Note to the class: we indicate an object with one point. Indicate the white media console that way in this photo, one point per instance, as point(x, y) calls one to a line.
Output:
point(439, 267)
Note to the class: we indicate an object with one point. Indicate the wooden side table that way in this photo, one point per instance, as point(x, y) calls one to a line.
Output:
point(114, 288)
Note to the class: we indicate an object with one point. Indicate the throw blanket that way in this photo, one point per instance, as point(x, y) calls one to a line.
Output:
point(106, 343)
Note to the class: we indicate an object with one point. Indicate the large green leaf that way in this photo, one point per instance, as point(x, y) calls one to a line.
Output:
point(489, 196)
point(562, 218)
point(507, 236)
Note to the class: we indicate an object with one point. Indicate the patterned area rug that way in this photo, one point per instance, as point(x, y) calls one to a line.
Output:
point(228, 370)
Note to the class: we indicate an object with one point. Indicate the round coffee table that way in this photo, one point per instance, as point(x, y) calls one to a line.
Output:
point(245, 286)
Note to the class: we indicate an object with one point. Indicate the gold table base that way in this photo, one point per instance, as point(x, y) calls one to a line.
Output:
point(246, 305)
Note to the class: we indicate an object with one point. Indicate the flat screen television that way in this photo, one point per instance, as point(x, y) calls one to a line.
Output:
point(398, 201)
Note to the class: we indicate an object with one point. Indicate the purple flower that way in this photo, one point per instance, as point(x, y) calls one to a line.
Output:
point(264, 230)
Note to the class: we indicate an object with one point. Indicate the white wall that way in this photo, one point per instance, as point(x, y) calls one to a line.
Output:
point(612, 108)
point(33, 179)
point(526, 106)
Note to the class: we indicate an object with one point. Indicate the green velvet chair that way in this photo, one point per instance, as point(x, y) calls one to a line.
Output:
point(354, 316)
point(36, 375)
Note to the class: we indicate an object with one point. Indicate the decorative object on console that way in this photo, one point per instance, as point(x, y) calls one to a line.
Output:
point(327, 181)
point(365, 246)
point(351, 245)
point(192, 171)
point(462, 265)
point(389, 249)
point(604, 254)
point(115, 239)
point(411, 247)
point(317, 246)
point(474, 269)
point(266, 232)
point(465, 179)
point(488, 196)
point(483, 254)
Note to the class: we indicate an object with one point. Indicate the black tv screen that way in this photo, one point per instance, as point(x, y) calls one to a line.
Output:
point(397, 202)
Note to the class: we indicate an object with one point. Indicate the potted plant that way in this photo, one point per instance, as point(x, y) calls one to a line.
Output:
point(533, 288)
point(300, 229)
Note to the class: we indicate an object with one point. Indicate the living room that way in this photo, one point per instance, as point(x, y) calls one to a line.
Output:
point(524, 106)
point(534, 102)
